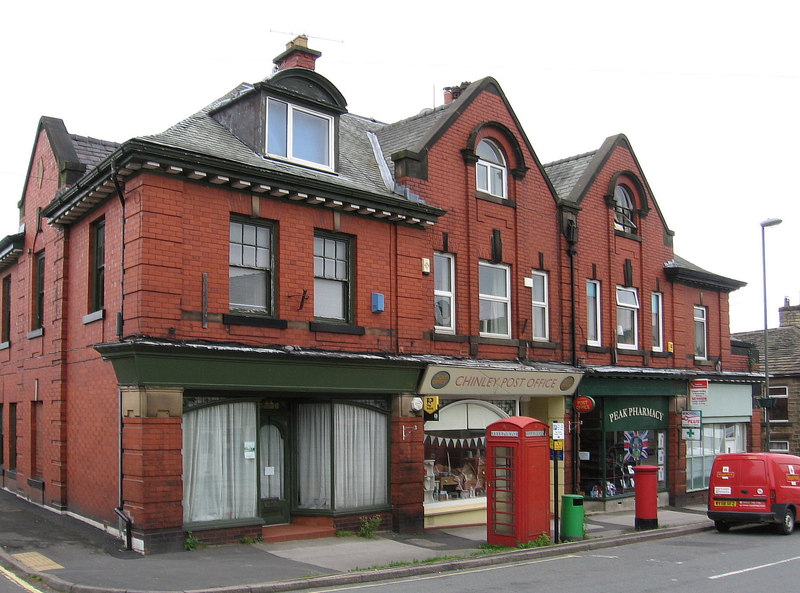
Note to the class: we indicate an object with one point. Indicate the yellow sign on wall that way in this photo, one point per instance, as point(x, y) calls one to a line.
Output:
point(431, 403)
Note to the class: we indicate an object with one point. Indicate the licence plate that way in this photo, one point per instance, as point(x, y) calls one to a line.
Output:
point(724, 503)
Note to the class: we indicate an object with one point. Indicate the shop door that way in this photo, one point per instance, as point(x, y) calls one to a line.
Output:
point(273, 436)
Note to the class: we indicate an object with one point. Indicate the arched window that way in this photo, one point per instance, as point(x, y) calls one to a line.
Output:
point(623, 210)
point(491, 169)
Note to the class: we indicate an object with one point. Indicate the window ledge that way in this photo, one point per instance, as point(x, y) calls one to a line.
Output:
point(443, 337)
point(660, 354)
point(703, 362)
point(543, 344)
point(36, 483)
point(628, 235)
point(597, 349)
point(253, 320)
point(5, 345)
point(37, 333)
point(11, 474)
point(222, 524)
point(495, 199)
point(96, 316)
point(336, 328)
point(631, 352)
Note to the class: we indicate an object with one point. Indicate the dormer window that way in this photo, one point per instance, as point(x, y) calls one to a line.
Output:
point(623, 210)
point(491, 169)
point(299, 135)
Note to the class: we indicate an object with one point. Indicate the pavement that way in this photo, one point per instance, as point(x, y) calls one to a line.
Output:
point(70, 556)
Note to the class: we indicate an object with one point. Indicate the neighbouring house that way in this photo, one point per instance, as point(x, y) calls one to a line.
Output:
point(276, 312)
point(783, 346)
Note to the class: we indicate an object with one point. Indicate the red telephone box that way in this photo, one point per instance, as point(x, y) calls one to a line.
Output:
point(518, 477)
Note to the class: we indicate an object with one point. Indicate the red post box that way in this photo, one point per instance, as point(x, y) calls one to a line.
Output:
point(646, 497)
point(518, 493)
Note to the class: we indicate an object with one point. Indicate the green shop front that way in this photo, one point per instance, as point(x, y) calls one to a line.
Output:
point(248, 437)
point(627, 426)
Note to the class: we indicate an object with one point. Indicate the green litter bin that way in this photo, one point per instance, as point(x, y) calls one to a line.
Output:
point(571, 517)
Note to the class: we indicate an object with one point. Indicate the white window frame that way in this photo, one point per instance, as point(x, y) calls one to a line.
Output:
point(783, 446)
point(623, 306)
point(703, 321)
point(495, 299)
point(540, 334)
point(624, 210)
point(448, 294)
point(491, 167)
point(261, 263)
point(597, 309)
point(289, 156)
point(657, 320)
point(331, 274)
point(778, 392)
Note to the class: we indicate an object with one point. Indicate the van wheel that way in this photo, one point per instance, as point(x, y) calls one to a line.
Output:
point(787, 523)
point(722, 526)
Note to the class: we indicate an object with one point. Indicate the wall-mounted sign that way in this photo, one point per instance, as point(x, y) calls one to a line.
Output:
point(453, 380)
point(583, 404)
point(691, 419)
point(698, 392)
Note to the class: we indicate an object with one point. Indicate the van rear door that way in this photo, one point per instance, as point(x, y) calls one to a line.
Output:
point(740, 484)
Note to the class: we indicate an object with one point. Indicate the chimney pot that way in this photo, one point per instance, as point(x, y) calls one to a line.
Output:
point(297, 55)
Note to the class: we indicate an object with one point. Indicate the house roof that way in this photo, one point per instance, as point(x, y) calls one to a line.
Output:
point(201, 147)
point(783, 344)
point(566, 173)
point(685, 272)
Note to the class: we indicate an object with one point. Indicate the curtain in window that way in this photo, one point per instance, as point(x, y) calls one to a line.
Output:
point(360, 457)
point(218, 482)
point(314, 455)
point(271, 444)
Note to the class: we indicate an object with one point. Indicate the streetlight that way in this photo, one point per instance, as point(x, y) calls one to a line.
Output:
point(766, 399)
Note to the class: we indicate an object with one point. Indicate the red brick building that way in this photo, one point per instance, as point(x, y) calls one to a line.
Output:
point(232, 324)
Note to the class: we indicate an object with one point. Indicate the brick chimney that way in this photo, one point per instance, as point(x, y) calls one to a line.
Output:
point(451, 93)
point(297, 55)
point(789, 315)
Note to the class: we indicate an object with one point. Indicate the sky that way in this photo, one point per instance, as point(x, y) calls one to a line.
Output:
point(707, 92)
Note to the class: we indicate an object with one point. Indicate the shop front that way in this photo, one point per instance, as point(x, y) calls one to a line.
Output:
point(468, 399)
point(724, 412)
point(628, 426)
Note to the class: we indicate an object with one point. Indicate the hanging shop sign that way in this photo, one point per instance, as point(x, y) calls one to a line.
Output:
point(583, 404)
point(453, 380)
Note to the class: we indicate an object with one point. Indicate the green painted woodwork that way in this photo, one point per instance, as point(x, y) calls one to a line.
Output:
point(595, 386)
point(252, 369)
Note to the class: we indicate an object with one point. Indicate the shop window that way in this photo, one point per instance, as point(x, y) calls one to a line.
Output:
point(495, 300)
point(444, 292)
point(716, 439)
point(97, 258)
point(624, 210)
point(5, 320)
point(250, 267)
point(332, 285)
point(38, 292)
point(627, 318)
point(779, 413)
point(299, 134)
point(219, 479)
point(455, 448)
point(491, 169)
point(357, 458)
point(541, 330)
point(657, 321)
point(700, 333)
point(593, 313)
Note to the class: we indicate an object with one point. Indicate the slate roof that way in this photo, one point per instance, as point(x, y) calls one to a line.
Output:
point(409, 133)
point(682, 270)
point(564, 174)
point(92, 151)
point(784, 348)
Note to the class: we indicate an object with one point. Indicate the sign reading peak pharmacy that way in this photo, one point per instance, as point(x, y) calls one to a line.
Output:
point(453, 380)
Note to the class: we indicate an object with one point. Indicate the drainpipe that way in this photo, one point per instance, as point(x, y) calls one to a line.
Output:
point(571, 234)
point(120, 322)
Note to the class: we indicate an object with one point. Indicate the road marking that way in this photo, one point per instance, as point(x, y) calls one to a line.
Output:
point(442, 575)
point(36, 561)
point(18, 581)
point(752, 568)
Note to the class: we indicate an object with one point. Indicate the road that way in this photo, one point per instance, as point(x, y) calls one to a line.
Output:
point(746, 560)
point(11, 583)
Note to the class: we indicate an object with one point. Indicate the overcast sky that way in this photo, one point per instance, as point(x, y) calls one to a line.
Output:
point(707, 92)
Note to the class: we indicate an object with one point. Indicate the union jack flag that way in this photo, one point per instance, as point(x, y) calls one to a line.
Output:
point(636, 443)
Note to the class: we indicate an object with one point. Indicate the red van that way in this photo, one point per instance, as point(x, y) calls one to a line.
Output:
point(754, 488)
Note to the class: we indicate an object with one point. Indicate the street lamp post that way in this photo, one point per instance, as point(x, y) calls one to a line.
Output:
point(766, 399)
